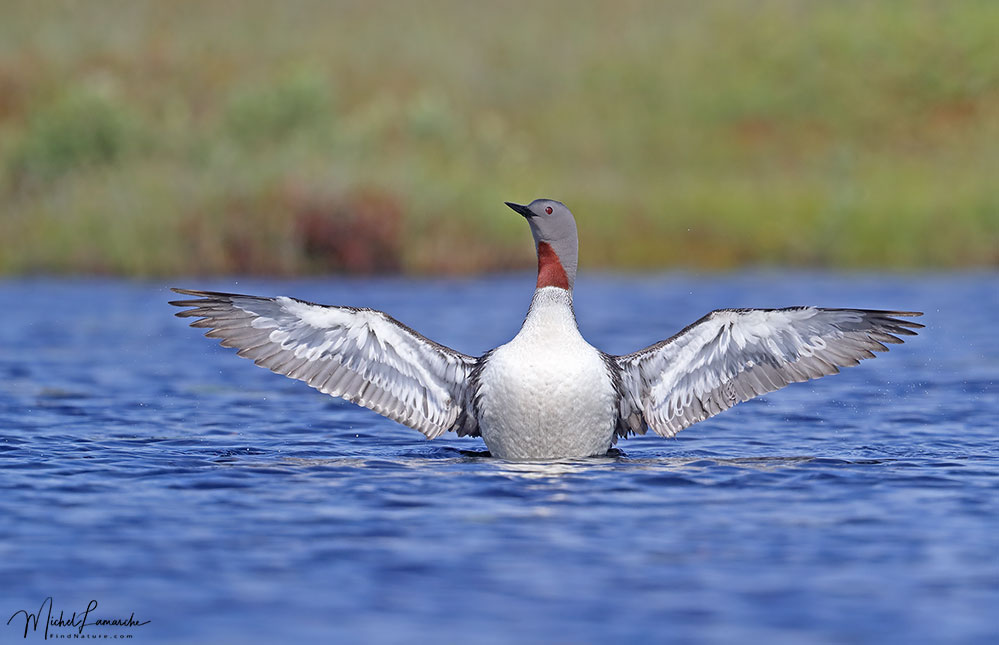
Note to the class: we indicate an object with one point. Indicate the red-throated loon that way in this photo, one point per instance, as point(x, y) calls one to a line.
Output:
point(546, 394)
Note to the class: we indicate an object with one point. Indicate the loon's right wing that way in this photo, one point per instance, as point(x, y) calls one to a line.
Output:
point(361, 355)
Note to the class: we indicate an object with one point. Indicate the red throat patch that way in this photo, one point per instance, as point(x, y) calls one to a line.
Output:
point(551, 273)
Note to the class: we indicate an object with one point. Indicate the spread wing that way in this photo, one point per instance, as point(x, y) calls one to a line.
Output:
point(361, 355)
point(733, 355)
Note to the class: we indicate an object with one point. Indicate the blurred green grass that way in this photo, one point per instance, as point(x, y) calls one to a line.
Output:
point(154, 138)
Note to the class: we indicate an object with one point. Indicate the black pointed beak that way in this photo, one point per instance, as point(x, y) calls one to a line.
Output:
point(523, 210)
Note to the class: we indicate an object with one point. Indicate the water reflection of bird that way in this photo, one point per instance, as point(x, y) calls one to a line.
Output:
point(546, 394)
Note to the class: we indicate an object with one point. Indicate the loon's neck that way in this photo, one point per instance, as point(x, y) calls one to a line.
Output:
point(551, 312)
point(552, 271)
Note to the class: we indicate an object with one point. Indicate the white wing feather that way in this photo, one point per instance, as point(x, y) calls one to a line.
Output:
point(732, 355)
point(361, 355)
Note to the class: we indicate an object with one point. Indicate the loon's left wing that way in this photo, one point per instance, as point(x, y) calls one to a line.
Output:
point(732, 355)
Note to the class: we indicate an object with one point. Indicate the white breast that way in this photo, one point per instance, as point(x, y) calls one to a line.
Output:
point(547, 393)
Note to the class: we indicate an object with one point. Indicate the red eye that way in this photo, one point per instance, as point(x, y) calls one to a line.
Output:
point(548, 209)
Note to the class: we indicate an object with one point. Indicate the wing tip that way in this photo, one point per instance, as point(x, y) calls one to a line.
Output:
point(902, 326)
point(186, 303)
point(203, 301)
point(208, 294)
point(187, 292)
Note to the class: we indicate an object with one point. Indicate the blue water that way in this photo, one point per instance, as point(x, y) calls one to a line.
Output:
point(146, 468)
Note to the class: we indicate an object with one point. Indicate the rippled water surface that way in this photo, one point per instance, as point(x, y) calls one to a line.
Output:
point(145, 467)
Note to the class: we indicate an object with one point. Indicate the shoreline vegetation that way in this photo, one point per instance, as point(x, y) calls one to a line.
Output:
point(155, 139)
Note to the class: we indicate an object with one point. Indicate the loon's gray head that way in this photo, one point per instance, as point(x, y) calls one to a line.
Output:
point(554, 231)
